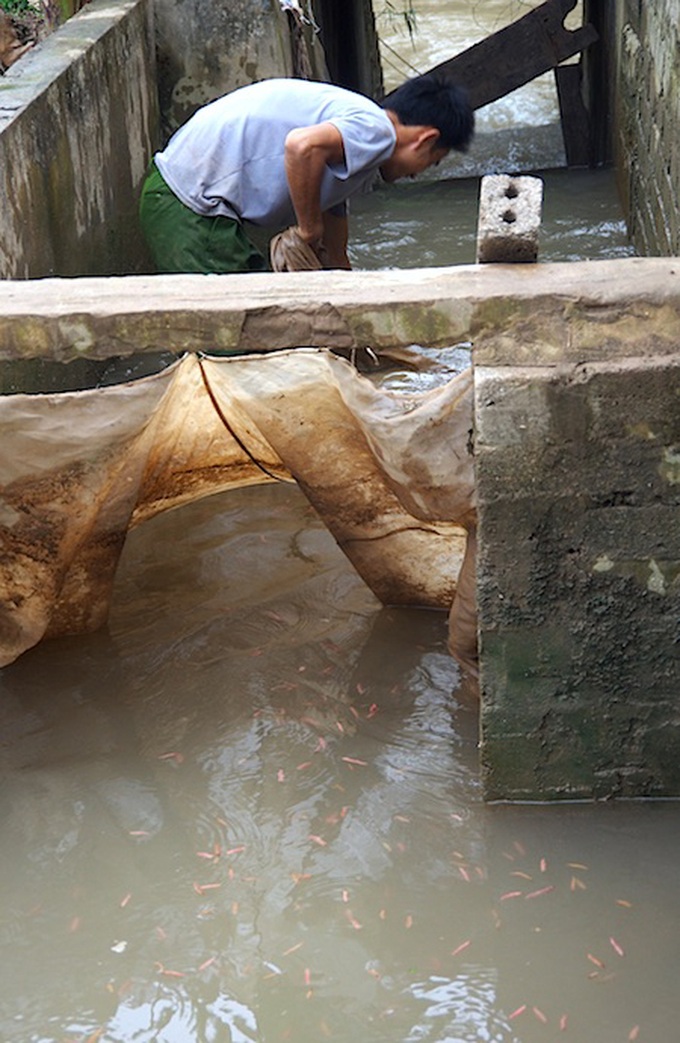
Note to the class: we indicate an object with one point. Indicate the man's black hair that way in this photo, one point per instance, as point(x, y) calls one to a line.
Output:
point(432, 102)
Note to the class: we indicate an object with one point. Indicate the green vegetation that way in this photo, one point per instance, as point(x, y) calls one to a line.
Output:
point(403, 10)
point(14, 7)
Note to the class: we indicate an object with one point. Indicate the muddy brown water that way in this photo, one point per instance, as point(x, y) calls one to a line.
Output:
point(250, 810)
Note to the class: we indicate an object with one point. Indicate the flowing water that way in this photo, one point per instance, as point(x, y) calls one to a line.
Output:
point(434, 223)
point(250, 810)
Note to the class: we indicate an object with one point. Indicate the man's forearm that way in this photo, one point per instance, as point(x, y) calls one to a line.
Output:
point(308, 150)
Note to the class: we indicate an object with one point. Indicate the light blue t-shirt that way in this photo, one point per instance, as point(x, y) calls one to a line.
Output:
point(229, 157)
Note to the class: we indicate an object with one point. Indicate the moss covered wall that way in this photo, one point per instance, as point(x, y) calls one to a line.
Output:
point(646, 60)
point(82, 113)
point(207, 49)
point(78, 122)
point(577, 453)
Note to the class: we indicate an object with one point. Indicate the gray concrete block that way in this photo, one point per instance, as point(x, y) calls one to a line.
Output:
point(509, 219)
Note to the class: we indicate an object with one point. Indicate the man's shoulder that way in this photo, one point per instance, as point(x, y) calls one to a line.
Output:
point(291, 102)
point(290, 88)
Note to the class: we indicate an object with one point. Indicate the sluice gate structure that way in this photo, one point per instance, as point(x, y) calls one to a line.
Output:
point(576, 435)
point(573, 397)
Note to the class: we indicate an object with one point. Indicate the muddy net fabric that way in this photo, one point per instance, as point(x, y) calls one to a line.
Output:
point(389, 473)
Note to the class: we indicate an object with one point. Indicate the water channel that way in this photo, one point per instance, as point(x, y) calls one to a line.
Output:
point(250, 809)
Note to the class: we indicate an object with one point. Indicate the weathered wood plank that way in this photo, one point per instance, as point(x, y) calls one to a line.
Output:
point(513, 56)
point(574, 115)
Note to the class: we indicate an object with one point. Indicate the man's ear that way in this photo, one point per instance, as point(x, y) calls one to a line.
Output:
point(427, 138)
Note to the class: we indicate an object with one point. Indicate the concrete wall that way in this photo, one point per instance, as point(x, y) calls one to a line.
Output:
point(646, 60)
point(80, 118)
point(78, 122)
point(206, 49)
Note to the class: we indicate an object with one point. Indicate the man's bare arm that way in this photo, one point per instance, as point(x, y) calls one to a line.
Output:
point(308, 150)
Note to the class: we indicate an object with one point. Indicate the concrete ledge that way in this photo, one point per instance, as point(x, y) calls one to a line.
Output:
point(515, 314)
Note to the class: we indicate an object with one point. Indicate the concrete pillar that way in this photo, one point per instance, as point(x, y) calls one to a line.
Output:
point(577, 444)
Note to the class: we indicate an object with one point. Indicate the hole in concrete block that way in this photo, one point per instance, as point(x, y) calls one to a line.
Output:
point(509, 216)
point(511, 191)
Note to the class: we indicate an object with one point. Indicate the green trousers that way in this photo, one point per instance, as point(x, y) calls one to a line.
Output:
point(181, 241)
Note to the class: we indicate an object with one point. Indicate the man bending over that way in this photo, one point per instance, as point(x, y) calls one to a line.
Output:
point(288, 152)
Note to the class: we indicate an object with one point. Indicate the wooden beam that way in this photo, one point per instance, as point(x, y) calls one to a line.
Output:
point(574, 115)
point(513, 56)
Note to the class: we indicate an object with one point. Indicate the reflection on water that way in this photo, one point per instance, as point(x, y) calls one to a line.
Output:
point(251, 812)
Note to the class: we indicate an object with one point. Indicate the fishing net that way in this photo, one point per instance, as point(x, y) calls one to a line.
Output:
point(389, 473)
